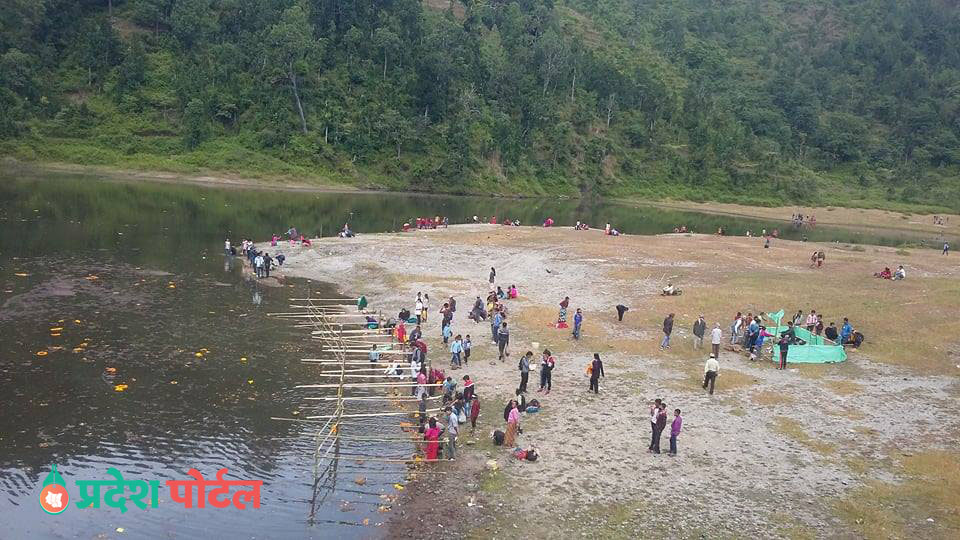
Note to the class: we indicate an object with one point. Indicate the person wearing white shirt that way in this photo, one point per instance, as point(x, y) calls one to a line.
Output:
point(716, 335)
point(710, 371)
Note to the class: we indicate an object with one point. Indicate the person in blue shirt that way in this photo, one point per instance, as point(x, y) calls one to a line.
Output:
point(495, 325)
point(455, 349)
point(577, 321)
point(447, 334)
point(845, 331)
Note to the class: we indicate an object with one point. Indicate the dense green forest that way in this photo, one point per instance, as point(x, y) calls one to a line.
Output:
point(842, 102)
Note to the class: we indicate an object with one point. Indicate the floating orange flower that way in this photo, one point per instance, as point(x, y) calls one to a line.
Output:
point(41, 353)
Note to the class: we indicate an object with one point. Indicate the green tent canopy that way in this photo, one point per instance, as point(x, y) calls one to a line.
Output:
point(818, 350)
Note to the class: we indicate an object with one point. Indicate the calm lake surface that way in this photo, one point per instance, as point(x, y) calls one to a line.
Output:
point(106, 282)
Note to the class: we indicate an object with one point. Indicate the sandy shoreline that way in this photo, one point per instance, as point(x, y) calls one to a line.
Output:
point(813, 435)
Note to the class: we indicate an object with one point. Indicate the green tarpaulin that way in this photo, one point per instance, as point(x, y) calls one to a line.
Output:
point(816, 351)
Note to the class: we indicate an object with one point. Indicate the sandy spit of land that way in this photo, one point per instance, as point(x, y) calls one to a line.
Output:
point(771, 454)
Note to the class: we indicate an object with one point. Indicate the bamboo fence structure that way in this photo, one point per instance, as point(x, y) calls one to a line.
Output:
point(339, 327)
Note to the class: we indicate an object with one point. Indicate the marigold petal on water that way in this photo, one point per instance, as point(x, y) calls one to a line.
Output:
point(249, 381)
point(120, 387)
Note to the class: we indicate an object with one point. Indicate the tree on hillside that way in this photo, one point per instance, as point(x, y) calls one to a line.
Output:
point(290, 48)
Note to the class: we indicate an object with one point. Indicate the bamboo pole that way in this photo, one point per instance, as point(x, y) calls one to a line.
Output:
point(370, 398)
point(366, 385)
point(371, 415)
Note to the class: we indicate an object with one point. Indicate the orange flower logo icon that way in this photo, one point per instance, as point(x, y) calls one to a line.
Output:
point(54, 497)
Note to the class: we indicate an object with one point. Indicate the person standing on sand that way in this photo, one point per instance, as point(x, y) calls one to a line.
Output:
point(654, 410)
point(710, 371)
point(667, 330)
point(547, 363)
point(675, 432)
point(784, 348)
point(699, 327)
point(466, 350)
point(474, 412)
point(418, 309)
point(493, 275)
point(621, 309)
point(495, 325)
point(447, 333)
point(946, 248)
point(716, 336)
point(562, 315)
point(432, 436)
point(735, 328)
point(524, 367)
point(452, 430)
point(596, 371)
point(456, 348)
point(513, 423)
point(577, 322)
point(661, 424)
point(503, 339)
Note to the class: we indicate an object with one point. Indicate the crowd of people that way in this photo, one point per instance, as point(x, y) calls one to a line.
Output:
point(799, 220)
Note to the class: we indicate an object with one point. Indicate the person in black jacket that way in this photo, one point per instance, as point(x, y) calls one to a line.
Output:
point(596, 371)
point(667, 330)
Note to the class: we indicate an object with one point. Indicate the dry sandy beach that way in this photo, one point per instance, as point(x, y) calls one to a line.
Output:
point(867, 448)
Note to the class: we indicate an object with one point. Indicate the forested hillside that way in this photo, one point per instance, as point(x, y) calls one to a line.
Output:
point(844, 102)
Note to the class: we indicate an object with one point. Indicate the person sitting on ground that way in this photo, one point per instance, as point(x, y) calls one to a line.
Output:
point(500, 294)
point(885, 274)
point(831, 333)
point(669, 289)
point(512, 292)
point(900, 273)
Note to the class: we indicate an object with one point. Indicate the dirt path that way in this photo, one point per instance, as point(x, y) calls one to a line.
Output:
point(771, 454)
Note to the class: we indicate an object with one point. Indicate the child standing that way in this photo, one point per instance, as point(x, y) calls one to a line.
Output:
point(466, 350)
point(447, 334)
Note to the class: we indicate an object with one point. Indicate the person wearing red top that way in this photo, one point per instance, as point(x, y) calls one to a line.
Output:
point(547, 363)
point(474, 412)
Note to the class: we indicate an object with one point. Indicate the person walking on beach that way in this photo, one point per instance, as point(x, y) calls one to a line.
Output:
point(493, 275)
point(710, 371)
point(577, 321)
point(667, 330)
point(946, 248)
point(547, 363)
point(654, 410)
point(675, 432)
point(524, 367)
point(699, 327)
point(716, 336)
point(503, 339)
point(596, 371)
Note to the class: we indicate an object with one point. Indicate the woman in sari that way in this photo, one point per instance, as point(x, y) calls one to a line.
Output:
point(432, 436)
point(513, 423)
point(400, 332)
point(562, 316)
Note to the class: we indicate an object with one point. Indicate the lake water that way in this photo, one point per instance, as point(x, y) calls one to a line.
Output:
point(105, 282)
